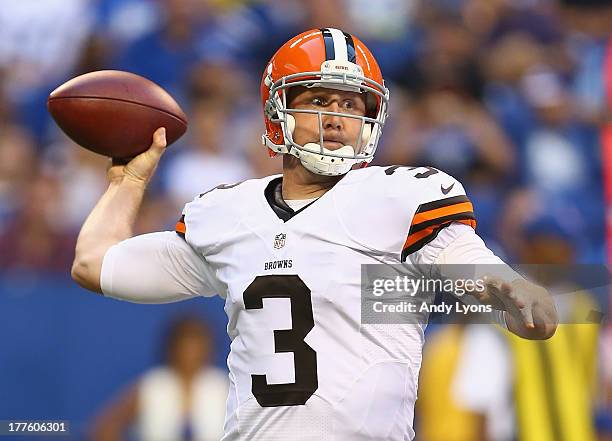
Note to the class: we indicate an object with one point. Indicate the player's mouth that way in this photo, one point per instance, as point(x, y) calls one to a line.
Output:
point(333, 143)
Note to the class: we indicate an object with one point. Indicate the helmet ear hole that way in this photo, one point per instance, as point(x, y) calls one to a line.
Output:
point(290, 123)
point(371, 105)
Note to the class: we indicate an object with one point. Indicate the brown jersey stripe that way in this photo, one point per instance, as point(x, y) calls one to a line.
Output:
point(442, 203)
point(463, 207)
point(413, 238)
point(431, 217)
point(424, 232)
point(426, 236)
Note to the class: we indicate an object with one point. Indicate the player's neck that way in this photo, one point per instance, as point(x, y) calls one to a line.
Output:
point(299, 183)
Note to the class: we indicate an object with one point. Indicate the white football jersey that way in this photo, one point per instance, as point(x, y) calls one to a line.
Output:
point(302, 366)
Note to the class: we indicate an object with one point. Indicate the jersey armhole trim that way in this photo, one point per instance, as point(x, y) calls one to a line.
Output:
point(181, 228)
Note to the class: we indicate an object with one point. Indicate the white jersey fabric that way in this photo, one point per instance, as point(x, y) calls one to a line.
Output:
point(302, 366)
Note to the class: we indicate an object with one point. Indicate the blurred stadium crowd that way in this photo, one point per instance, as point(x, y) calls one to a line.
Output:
point(507, 96)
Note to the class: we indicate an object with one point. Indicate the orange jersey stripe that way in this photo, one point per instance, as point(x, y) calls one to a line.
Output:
point(441, 212)
point(415, 237)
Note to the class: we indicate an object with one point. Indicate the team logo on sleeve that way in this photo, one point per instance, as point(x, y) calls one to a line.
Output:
point(279, 241)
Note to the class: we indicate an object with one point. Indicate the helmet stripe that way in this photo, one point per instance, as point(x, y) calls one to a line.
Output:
point(350, 44)
point(340, 46)
point(330, 53)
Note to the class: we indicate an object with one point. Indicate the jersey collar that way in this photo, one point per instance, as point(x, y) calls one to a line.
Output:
point(274, 196)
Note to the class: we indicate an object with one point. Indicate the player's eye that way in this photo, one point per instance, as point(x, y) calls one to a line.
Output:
point(318, 101)
point(349, 104)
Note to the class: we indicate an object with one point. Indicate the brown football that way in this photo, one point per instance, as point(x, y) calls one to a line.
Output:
point(115, 113)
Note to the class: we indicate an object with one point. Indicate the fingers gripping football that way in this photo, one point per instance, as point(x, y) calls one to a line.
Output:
point(141, 168)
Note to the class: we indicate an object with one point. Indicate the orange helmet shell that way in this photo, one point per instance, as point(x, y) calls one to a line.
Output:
point(305, 53)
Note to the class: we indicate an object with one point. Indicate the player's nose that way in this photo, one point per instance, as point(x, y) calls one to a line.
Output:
point(333, 121)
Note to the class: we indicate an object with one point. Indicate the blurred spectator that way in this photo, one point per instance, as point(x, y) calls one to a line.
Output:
point(5, 106)
point(221, 87)
point(223, 128)
point(95, 55)
point(504, 66)
point(250, 35)
point(31, 107)
point(561, 154)
point(447, 59)
point(169, 50)
point(389, 29)
point(536, 18)
point(124, 21)
point(36, 238)
point(17, 168)
point(560, 164)
point(41, 40)
point(383, 20)
point(442, 352)
point(451, 131)
point(523, 206)
point(209, 163)
point(513, 378)
point(32, 236)
point(588, 33)
point(157, 213)
point(81, 178)
point(444, 124)
point(183, 400)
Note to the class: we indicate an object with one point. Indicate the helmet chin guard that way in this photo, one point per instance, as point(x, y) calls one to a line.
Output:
point(353, 69)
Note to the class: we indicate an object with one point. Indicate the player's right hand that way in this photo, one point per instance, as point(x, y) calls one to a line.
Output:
point(139, 169)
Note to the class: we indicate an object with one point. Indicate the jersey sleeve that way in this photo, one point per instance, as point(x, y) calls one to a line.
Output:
point(459, 244)
point(210, 219)
point(156, 268)
point(440, 202)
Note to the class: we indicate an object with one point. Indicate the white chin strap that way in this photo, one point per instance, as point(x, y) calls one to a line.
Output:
point(323, 161)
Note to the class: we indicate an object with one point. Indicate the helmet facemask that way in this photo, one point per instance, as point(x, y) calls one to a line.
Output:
point(344, 76)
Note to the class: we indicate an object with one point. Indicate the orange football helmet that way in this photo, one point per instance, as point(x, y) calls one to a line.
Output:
point(332, 59)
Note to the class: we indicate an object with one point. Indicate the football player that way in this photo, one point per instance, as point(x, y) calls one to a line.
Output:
point(285, 252)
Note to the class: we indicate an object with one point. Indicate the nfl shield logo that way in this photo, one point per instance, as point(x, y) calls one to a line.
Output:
point(279, 240)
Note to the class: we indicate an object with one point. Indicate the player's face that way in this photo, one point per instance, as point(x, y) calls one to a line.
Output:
point(337, 130)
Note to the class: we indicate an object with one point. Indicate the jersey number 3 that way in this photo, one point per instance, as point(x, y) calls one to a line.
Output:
point(286, 340)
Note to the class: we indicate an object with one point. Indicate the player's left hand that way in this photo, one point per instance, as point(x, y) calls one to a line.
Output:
point(530, 310)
